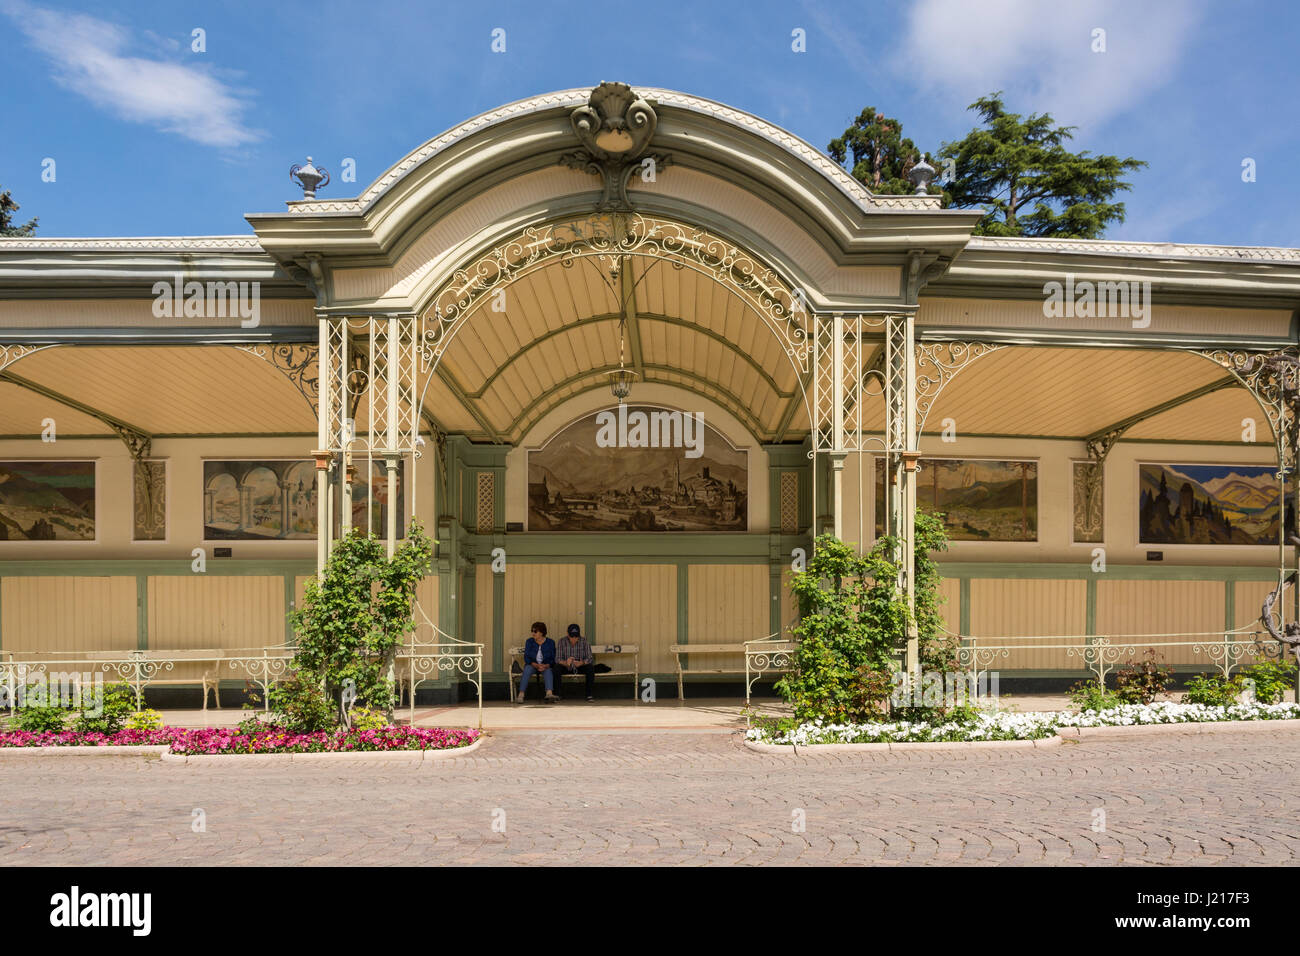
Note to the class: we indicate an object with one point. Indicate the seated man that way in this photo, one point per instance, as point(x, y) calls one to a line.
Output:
point(573, 656)
point(539, 657)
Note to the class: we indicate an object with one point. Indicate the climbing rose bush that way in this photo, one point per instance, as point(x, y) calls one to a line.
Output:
point(216, 740)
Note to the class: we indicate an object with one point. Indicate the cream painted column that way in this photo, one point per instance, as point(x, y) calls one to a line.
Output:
point(837, 424)
point(902, 459)
point(393, 433)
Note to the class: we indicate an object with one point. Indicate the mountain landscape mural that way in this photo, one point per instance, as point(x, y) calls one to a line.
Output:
point(47, 501)
point(1208, 504)
point(980, 499)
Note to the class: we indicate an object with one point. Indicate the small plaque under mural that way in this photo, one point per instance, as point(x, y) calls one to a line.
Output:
point(222, 552)
point(1155, 555)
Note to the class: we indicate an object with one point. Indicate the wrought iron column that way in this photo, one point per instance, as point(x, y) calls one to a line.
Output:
point(324, 415)
point(901, 461)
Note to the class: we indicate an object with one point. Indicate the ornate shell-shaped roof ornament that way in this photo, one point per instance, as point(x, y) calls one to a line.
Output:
point(615, 124)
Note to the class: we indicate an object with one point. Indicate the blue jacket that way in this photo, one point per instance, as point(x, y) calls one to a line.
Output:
point(548, 651)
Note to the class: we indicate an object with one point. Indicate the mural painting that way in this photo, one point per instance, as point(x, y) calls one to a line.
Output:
point(47, 501)
point(259, 500)
point(1208, 504)
point(638, 468)
point(980, 499)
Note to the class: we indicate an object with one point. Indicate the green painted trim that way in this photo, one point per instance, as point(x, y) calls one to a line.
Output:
point(1227, 381)
point(774, 588)
point(1229, 604)
point(290, 589)
point(1090, 608)
point(128, 567)
point(1126, 572)
point(58, 397)
point(142, 612)
point(468, 601)
point(702, 546)
point(964, 607)
point(726, 398)
point(589, 588)
point(499, 619)
point(612, 318)
point(683, 604)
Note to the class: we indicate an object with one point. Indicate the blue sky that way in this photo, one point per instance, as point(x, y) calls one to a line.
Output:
point(152, 138)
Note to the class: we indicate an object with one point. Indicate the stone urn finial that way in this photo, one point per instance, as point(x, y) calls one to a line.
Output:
point(921, 175)
point(309, 178)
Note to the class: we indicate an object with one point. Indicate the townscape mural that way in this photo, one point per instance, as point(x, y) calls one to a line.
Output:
point(259, 500)
point(980, 499)
point(47, 500)
point(1208, 504)
point(638, 468)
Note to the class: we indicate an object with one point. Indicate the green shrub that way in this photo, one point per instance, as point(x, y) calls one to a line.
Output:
point(300, 705)
point(1091, 695)
point(1143, 681)
point(853, 615)
point(1212, 691)
point(107, 716)
point(1272, 679)
point(144, 720)
point(40, 718)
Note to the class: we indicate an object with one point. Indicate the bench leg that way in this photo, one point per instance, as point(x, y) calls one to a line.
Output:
point(681, 690)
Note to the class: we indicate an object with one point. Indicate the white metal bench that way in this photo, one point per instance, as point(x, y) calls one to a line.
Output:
point(517, 655)
point(202, 668)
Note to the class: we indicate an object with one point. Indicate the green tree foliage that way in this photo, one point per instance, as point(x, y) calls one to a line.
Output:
point(7, 209)
point(352, 622)
point(1018, 169)
point(874, 151)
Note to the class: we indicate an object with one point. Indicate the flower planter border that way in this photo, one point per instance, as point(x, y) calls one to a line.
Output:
point(1059, 737)
point(163, 752)
point(397, 756)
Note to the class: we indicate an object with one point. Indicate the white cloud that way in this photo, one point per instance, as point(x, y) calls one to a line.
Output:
point(1041, 53)
point(89, 58)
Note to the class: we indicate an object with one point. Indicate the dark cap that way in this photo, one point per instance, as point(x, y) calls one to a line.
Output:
point(574, 631)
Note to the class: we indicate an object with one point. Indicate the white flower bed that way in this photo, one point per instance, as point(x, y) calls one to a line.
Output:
point(1013, 726)
point(1129, 715)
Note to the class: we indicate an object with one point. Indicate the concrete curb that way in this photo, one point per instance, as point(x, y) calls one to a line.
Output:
point(163, 753)
point(385, 756)
point(1190, 727)
point(911, 745)
point(83, 750)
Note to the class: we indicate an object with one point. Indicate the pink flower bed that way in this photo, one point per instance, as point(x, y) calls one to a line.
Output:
point(71, 738)
point(217, 740)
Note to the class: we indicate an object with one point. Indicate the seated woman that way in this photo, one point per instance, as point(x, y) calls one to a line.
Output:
point(539, 657)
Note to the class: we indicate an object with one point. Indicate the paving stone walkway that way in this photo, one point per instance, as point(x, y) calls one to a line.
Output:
point(673, 798)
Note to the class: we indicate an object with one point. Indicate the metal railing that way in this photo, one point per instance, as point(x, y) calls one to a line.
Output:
point(1099, 653)
point(263, 666)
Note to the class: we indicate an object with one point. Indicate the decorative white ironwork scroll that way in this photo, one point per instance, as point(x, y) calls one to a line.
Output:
point(297, 361)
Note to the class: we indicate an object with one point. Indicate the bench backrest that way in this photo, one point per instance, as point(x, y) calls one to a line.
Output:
point(706, 649)
point(595, 649)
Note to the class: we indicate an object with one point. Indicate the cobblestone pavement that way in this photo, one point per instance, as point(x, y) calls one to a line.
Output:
point(673, 798)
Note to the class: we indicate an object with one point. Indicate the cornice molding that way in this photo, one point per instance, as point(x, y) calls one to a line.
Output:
point(1160, 250)
point(567, 100)
point(142, 244)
